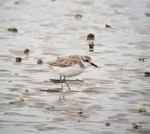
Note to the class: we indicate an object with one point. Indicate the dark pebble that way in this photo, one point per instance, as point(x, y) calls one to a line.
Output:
point(17, 2)
point(39, 62)
point(11, 102)
point(147, 14)
point(78, 16)
point(26, 51)
point(135, 126)
point(18, 59)
point(107, 26)
point(12, 30)
point(90, 36)
point(107, 124)
point(147, 74)
point(141, 59)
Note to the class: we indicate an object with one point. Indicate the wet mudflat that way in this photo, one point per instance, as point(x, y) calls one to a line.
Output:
point(114, 98)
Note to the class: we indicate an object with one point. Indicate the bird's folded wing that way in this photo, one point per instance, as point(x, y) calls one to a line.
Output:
point(62, 62)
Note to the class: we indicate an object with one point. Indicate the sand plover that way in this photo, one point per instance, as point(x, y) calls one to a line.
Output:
point(69, 66)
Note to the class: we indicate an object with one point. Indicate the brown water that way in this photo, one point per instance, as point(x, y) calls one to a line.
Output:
point(112, 93)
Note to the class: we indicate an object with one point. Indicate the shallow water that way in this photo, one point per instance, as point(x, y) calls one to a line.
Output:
point(112, 93)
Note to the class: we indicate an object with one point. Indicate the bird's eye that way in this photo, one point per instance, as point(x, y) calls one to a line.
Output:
point(86, 60)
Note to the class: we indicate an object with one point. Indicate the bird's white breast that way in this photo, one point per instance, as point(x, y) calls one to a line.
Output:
point(68, 71)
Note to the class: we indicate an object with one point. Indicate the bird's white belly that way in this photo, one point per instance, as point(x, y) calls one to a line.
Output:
point(68, 71)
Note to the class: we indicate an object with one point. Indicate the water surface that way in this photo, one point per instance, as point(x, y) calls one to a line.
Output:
point(112, 93)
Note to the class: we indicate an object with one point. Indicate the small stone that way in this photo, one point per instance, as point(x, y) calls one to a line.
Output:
point(26, 91)
point(147, 74)
point(141, 59)
point(135, 126)
point(79, 112)
point(11, 102)
point(90, 36)
point(107, 26)
point(18, 59)
point(20, 99)
point(147, 14)
point(12, 30)
point(78, 16)
point(48, 108)
point(142, 109)
point(39, 61)
point(26, 51)
point(107, 124)
point(16, 2)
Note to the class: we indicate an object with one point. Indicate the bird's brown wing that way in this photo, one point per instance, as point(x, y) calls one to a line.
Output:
point(63, 61)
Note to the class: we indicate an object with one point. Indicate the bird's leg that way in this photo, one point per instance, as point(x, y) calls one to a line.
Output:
point(62, 93)
point(66, 83)
point(61, 83)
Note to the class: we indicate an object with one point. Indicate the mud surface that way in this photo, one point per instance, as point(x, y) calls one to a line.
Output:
point(102, 100)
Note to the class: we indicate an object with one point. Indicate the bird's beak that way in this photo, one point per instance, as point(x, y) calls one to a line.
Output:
point(93, 64)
